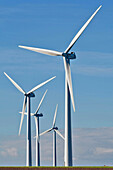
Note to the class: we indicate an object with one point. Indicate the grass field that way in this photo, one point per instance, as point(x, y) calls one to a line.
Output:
point(58, 168)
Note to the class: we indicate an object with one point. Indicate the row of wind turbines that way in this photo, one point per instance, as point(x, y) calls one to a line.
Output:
point(68, 99)
point(36, 115)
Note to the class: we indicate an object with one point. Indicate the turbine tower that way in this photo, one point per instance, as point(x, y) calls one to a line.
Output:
point(37, 116)
point(55, 130)
point(27, 97)
point(68, 85)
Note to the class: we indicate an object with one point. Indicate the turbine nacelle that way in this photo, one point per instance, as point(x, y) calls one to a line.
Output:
point(38, 115)
point(69, 55)
point(56, 128)
point(30, 94)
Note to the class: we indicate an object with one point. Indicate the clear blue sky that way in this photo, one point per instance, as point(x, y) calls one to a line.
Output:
point(52, 25)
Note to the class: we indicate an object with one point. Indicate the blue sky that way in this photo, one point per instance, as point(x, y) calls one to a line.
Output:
point(52, 25)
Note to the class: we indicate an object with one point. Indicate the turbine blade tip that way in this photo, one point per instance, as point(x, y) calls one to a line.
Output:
point(99, 7)
point(20, 46)
point(6, 74)
point(74, 108)
point(46, 90)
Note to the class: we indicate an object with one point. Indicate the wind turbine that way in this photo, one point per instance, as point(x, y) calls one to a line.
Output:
point(68, 85)
point(37, 116)
point(27, 97)
point(55, 130)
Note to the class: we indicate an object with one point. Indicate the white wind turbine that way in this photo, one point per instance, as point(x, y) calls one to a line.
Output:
point(68, 86)
point(27, 97)
point(37, 116)
point(55, 130)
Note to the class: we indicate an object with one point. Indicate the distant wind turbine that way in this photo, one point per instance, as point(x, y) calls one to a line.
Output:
point(37, 116)
point(55, 130)
point(27, 97)
point(68, 86)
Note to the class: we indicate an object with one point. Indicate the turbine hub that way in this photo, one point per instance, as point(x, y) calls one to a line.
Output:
point(69, 55)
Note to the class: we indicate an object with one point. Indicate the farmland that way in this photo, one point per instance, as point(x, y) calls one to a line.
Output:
point(57, 168)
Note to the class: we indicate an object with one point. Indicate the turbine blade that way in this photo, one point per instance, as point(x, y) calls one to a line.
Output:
point(59, 134)
point(54, 120)
point(36, 128)
point(69, 81)
point(23, 111)
point(42, 51)
point(40, 85)
point(81, 31)
point(71, 89)
point(15, 84)
point(40, 102)
point(36, 123)
point(32, 114)
point(49, 130)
